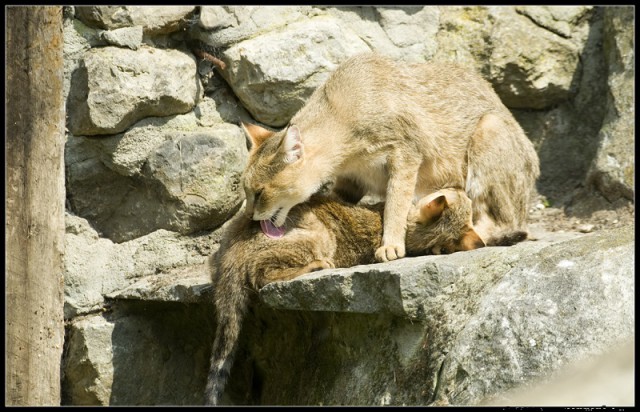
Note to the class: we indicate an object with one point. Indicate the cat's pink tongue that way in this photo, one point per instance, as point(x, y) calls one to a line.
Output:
point(271, 230)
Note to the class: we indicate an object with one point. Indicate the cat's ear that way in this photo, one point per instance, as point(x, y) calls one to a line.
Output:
point(256, 135)
point(292, 145)
point(471, 240)
point(432, 210)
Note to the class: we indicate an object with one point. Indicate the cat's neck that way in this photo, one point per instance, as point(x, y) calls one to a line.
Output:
point(325, 151)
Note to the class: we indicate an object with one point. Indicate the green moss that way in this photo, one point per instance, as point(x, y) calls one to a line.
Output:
point(629, 175)
point(477, 14)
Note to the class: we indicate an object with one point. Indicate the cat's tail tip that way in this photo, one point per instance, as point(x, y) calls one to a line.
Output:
point(509, 238)
point(213, 393)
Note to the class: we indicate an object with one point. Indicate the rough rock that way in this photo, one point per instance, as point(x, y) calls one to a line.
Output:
point(144, 354)
point(187, 284)
point(201, 169)
point(404, 285)
point(406, 33)
point(95, 266)
point(566, 136)
point(164, 174)
point(126, 153)
point(464, 36)
point(113, 88)
point(560, 20)
point(154, 20)
point(513, 50)
point(89, 365)
point(566, 302)
point(406, 26)
point(130, 37)
point(522, 71)
point(223, 26)
point(78, 38)
point(272, 91)
point(607, 379)
point(614, 165)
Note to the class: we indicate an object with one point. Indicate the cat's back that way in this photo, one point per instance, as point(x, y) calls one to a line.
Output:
point(244, 246)
point(373, 71)
point(340, 215)
point(374, 88)
point(357, 229)
point(453, 81)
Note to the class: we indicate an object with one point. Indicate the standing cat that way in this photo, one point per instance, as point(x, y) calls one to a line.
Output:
point(321, 233)
point(400, 130)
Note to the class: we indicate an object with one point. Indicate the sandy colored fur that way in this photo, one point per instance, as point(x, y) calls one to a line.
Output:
point(401, 130)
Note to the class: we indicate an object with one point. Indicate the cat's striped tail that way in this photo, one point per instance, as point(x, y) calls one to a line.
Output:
point(231, 305)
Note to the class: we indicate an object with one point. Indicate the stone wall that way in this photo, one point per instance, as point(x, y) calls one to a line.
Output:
point(153, 161)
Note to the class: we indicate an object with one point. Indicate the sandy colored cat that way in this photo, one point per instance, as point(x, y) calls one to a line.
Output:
point(321, 233)
point(401, 130)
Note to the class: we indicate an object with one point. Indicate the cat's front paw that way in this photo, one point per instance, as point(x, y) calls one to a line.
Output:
point(386, 253)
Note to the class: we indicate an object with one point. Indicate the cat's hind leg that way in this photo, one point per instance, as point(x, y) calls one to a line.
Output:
point(318, 264)
point(293, 272)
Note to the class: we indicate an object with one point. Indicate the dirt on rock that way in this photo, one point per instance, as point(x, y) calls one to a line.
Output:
point(581, 211)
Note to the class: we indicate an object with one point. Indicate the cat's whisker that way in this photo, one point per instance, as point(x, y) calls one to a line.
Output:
point(288, 220)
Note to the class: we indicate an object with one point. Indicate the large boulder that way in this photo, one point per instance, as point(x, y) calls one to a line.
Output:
point(564, 303)
point(90, 364)
point(566, 135)
point(276, 57)
point(95, 267)
point(406, 33)
point(274, 74)
point(614, 165)
point(114, 87)
point(179, 180)
point(565, 21)
point(464, 36)
point(531, 71)
point(138, 354)
point(607, 379)
point(154, 20)
point(224, 26)
point(512, 48)
point(491, 319)
point(179, 173)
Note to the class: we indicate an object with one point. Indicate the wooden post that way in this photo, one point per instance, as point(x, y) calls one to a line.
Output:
point(34, 235)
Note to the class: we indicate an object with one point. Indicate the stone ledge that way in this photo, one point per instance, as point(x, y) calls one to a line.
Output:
point(188, 284)
point(407, 287)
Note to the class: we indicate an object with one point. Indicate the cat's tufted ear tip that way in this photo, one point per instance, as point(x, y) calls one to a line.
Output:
point(293, 147)
point(256, 135)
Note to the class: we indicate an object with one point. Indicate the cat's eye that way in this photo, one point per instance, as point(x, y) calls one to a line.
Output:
point(257, 195)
